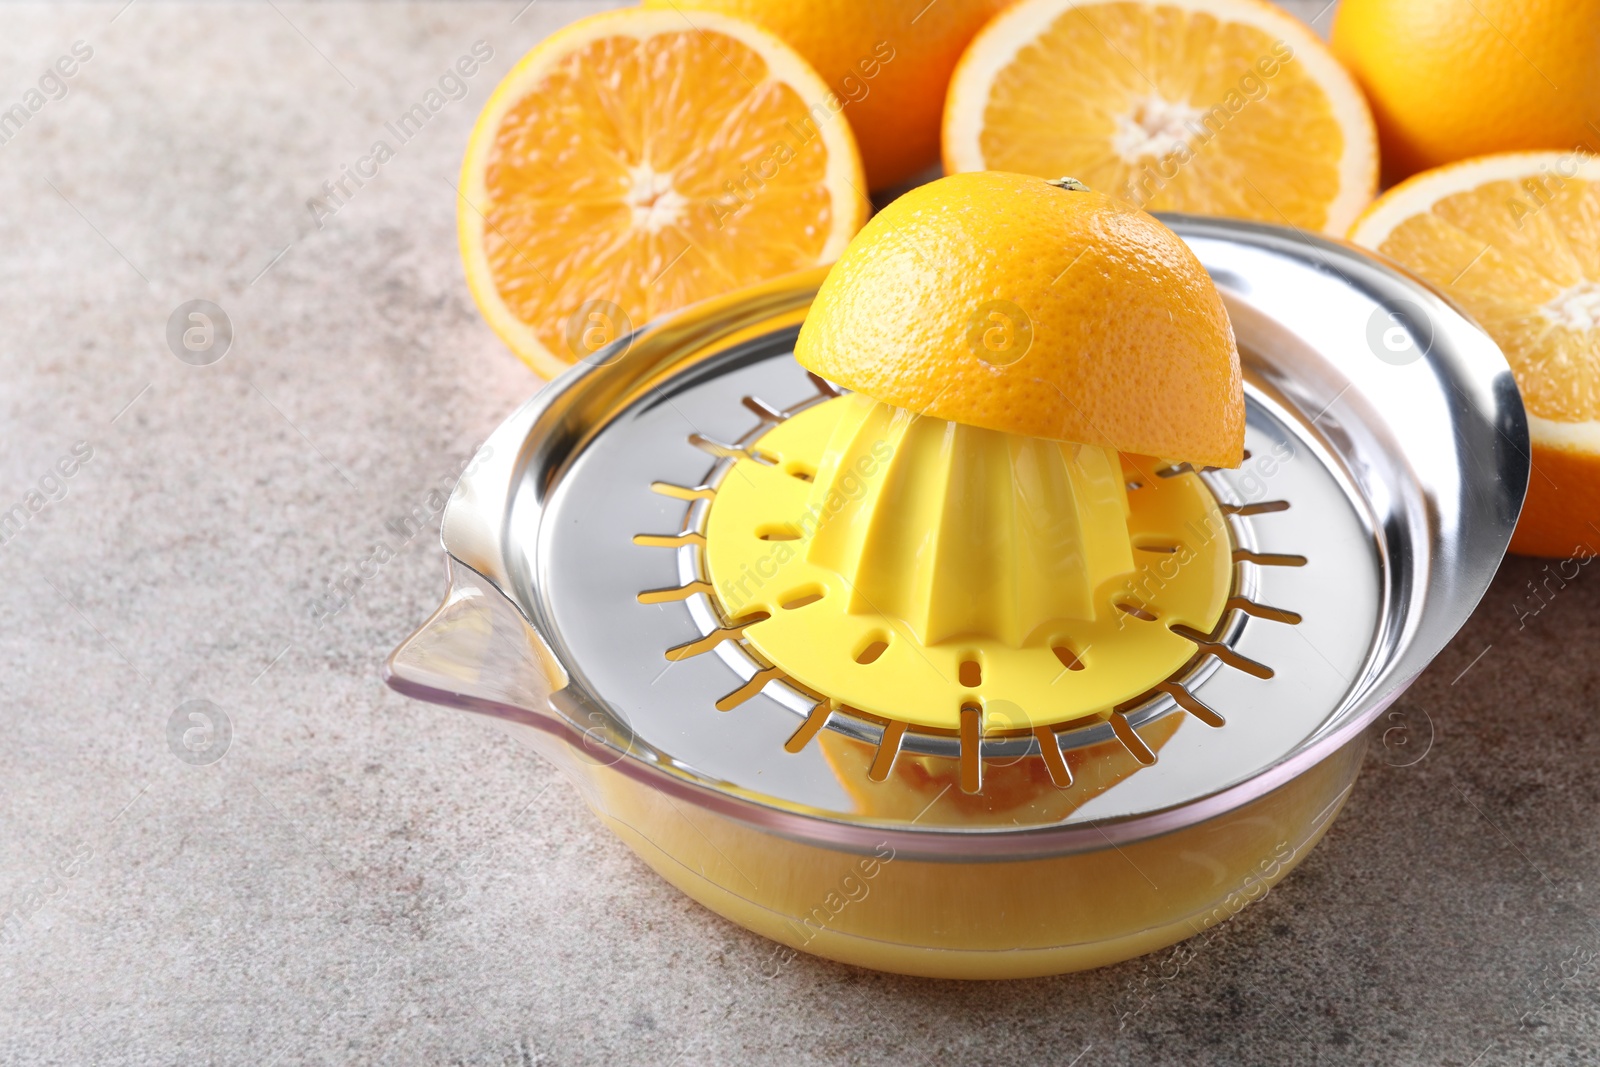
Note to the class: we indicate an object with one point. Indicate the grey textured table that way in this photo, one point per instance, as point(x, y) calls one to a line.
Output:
point(364, 879)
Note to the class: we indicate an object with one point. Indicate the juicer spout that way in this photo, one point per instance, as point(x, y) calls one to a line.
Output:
point(478, 653)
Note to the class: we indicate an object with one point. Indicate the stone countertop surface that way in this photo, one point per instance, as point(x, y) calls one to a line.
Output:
point(365, 879)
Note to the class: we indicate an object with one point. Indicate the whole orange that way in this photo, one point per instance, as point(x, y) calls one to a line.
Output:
point(1452, 79)
point(888, 61)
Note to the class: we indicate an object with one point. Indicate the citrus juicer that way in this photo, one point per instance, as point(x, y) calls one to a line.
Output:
point(984, 813)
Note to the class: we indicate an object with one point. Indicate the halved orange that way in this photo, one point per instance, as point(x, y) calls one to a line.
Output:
point(1009, 302)
point(1515, 240)
point(1219, 107)
point(634, 163)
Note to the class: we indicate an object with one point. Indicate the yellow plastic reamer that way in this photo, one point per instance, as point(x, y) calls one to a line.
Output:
point(921, 570)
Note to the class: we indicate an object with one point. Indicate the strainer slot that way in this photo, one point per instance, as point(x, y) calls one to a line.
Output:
point(1136, 610)
point(1070, 659)
point(723, 450)
point(683, 492)
point(732, 632)
point(888, 750)
point(1131, 740)
point(676, 592)
point(1213, 646)
point(877, 644)
point(1054, 762)
point(776, 532)
point(813, 725)
point(756, 684)
point(1264, 507)
point(823, 386)
point(800, 598)
point(1165, 548)
point(1268, 559)
point(1192, 704)
point(677, 540)
point(1262, 611)
point(763, 410)
point(971, 732)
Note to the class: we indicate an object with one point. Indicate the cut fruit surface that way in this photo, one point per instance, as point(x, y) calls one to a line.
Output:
point(888, 60)
point(1220, 107)
point(632, 164)
point(1515, 240)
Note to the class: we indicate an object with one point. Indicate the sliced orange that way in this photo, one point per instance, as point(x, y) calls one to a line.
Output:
point(889, 60)
point(1515, 240)
point(634, 163)
point(1219, 107)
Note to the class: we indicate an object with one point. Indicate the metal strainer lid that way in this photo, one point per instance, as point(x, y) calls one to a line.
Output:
point(1387, 462)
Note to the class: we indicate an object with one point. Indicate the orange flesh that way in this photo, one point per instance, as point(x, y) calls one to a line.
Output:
point(1147, 75)
point(1523, 258)
point(624, 175)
